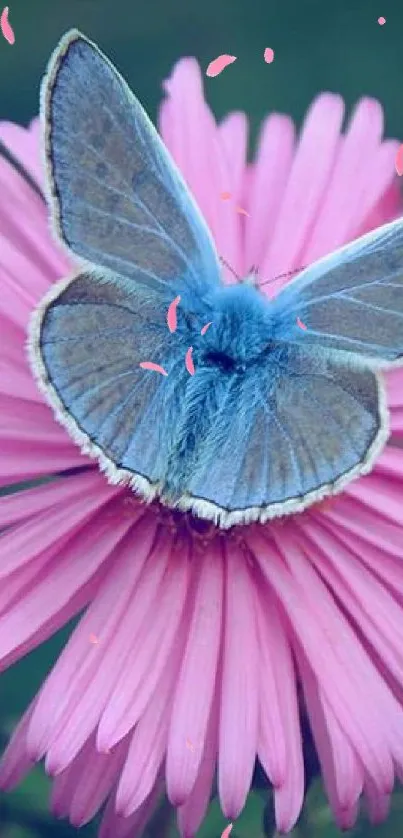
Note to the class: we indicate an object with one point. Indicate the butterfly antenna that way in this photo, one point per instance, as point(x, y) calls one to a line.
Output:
point(280, 276)
point(255, 270)
point(227, 265)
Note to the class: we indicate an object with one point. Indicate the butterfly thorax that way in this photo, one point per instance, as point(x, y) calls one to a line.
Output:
point(241, 330)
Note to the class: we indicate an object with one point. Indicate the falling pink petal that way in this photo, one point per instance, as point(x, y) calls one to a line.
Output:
point(215, 67)
point(171, 316)
point(242, 211)
point(381, 20)
point(399, 160)
point(148, 365)
point(204, 329)
point(6, 27)
point(268, 55)
point(227, 830)
point(300, 324)
point(225, 196)
point(93, 638)
point(189, 361)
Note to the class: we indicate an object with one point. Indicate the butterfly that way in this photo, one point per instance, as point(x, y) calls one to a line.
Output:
point(274, 418)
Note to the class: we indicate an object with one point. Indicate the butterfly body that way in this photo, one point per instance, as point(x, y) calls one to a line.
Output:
point(273, 417)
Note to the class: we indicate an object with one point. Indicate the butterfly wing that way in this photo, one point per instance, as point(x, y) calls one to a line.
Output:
point(117, 199)
point(350, 301)
point(302, 426)
point(293, 434)
point(87, 341)
point(118, 202)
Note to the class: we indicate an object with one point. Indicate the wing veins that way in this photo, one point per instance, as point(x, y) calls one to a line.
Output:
point(341, 291)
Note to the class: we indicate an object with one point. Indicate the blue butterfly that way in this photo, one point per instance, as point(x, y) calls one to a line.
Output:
point(275, 417)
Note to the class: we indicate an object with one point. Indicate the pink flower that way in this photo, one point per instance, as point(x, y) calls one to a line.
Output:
point(179, 665)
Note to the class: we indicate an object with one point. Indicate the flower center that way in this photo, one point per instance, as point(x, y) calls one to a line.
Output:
point(201, 532)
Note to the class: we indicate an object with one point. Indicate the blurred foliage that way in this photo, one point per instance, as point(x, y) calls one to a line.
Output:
point(319, 45)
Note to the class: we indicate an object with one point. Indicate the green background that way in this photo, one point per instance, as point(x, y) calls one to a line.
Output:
point(319, 45)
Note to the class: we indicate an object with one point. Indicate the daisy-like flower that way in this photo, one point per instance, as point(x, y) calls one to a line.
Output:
point(197, 647)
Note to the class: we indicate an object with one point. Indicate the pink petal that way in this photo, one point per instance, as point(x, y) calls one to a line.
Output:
point(191, 814)
point(15, 762)
point(233, 133)
point(341, 671)
point(149, 741)
point(22, 421)
point(239, 696)
point(342, 208)
point(377, 804)
point(15, 376)
point(153, 643)
point(83, 788)
point(114, 826)
point(341, 770)
point(399, 160)
point(266, 188)
point(23, 505)
point(394, 387)
point(78, 669)
point(308, 179)
point(204, 165)
point(22, 543)
point(195, 687)
point(52, 591)
point(279, 743)
point(25, 141)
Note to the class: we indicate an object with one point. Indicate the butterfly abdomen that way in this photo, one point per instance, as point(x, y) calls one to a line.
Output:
point(224, 359)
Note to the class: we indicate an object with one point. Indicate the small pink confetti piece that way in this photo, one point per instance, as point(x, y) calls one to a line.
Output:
point(148, 365)
point(6, 27)
point(300, 324)
point(189, 361)
point(268, 55)
point(399, 160)
point(215, 67)
point(189, 745)
point(227, 830)
point(381, 20)
point(171, 316)
point(204, 329)
point(242, 211)
point(93, 639)
point(225, 196)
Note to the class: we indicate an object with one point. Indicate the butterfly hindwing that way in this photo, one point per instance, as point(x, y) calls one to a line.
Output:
point(87, 342)
point(289, 439)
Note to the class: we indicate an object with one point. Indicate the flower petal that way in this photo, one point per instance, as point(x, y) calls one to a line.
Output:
point(239, 712)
